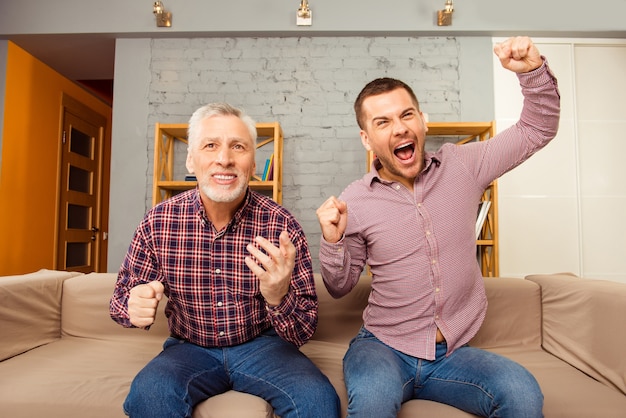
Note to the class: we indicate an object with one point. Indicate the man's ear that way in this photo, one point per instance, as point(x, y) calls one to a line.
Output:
point(365, 140)
point(189, 163)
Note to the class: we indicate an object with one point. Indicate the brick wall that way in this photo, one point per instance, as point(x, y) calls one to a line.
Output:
point(309, 86)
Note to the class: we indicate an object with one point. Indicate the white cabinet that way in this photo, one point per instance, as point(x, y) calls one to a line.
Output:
point(563, 210)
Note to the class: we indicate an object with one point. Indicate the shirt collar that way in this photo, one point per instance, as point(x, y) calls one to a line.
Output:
point(198, 208)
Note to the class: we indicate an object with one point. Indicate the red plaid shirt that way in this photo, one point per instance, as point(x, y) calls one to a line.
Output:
point(421, 245)
point(213, 297)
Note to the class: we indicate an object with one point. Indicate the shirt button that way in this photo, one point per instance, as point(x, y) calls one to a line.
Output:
point(219, 303)
point(434, 261)
point(218, 271)
point(437, 290)
point(397, 187)
point(427, 232)
point(222, 333)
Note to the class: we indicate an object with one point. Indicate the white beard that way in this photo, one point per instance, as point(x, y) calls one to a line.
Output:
point(225, 194)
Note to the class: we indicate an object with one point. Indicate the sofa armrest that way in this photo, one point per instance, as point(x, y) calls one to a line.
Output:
point(583, 324)
point(30, 310)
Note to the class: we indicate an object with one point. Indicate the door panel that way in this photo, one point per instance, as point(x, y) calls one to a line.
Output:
point(81, 160)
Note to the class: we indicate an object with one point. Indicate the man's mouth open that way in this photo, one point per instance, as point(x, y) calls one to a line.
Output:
point(405, 152)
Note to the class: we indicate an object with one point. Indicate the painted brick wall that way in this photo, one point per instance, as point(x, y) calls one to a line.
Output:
point(309, 86)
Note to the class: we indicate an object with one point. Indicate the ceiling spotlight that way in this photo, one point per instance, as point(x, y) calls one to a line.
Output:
point(304, 16)
point(444, 17)
point(163, 17)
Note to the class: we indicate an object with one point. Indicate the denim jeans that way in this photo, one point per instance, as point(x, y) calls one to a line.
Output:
point(185, 374)
point(379, 379)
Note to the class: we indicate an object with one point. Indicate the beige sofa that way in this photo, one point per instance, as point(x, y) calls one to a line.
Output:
point(62, 356)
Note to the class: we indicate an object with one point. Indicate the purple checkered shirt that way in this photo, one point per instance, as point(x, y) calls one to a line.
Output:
point(213, 297)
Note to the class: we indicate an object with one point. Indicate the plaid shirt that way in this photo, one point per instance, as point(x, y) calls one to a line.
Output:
point(213, 297)
point(421, 245)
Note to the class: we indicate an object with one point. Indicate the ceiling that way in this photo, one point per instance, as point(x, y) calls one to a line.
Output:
point(86, 59)
point(77, 57)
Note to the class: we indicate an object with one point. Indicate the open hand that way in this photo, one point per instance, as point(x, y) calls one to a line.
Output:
point(273, 267)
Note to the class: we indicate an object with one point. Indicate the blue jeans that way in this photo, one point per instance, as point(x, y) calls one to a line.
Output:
point(185, 374)
point(379, 379)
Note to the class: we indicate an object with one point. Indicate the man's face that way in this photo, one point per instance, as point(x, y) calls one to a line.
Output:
point(222, 158)
point(395, 132)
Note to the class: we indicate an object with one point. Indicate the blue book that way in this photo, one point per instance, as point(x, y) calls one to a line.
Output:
point(266, 170)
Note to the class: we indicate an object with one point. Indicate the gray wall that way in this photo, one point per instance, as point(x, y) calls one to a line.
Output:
point(308, 84)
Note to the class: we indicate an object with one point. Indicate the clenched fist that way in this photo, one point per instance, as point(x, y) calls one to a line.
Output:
point(518, 54)
point(333, 218)
point(143, 302)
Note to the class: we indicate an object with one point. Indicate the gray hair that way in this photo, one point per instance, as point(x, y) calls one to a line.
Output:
point(218, 109)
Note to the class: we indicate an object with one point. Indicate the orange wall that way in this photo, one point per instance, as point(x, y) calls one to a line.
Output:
point(30, 155)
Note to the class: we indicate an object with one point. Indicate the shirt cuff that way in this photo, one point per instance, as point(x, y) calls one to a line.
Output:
point(537, 77)
point(285, 307)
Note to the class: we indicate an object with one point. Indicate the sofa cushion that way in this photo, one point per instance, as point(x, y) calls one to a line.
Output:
point(73, 377)
point(583, 324)
point(233, 404)
point(567, 391)
point(86, 311)
point(421, 408)
point(30, 310)
point(513, 314)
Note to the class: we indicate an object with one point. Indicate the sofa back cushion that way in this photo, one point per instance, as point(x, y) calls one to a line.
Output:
point(85, 308)
point(30, 310)
point(583, 324)
point(513, 314)
point(339, 320)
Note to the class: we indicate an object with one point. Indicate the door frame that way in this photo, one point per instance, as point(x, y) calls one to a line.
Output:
point(101, 216)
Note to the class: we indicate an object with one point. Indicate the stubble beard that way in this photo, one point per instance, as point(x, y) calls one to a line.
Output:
point(404, 172)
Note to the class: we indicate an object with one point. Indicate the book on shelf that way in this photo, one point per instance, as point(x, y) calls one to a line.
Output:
point(268, 171)
point(483, 210)
point(190, 177)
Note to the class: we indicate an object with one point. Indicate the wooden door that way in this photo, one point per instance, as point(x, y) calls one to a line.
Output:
point(80, 198)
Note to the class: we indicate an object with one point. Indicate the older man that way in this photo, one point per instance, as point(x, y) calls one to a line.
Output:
point(237, 272)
